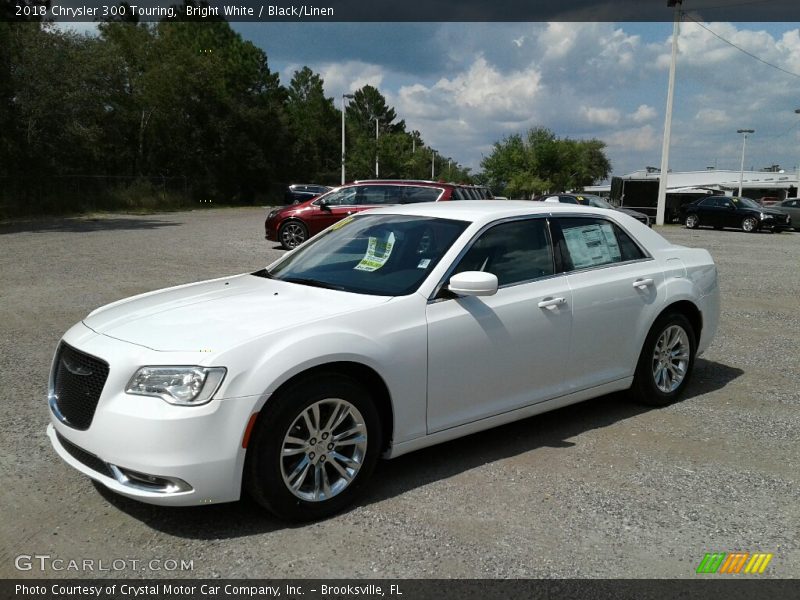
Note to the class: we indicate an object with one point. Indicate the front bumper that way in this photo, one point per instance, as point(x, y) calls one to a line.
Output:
point(147, 449)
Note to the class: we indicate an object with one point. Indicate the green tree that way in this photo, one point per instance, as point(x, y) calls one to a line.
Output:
point(541, 162)
point(314, 124)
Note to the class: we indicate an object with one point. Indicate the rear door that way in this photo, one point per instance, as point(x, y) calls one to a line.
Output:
point(617, 290)
point(710, 212)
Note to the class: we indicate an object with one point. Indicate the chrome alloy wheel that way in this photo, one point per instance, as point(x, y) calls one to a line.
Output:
point(293, 234)
point(323, 450)
point(671, 358)
point(749, 224)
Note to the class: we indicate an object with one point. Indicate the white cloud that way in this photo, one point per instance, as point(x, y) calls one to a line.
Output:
point(638, 139)
point(712, 116)
point(347, 77)
point(643, 114)
point(468, 112)
point(605, 117)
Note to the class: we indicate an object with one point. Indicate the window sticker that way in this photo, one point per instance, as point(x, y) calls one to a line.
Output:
point(592, 245)
point(378, 252)
point(423, 264)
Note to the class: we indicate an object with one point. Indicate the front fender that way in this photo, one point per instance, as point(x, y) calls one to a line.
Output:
point(390, 339)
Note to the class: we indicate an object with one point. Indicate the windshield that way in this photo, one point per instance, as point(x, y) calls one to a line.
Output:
point(383, 255)
point(745, 203)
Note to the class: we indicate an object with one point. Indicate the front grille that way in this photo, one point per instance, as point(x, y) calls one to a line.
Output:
point(84, 457)
point(78, 380)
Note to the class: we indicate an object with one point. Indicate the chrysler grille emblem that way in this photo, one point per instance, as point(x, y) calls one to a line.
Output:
point(75, 369)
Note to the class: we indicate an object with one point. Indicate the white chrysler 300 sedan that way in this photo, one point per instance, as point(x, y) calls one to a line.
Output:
point(390, 331)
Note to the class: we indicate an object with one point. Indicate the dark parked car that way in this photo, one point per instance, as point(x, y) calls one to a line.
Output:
point(293, 225)
point(597, 202)
point(300, 192)
point(741, 213)
point(790, 206)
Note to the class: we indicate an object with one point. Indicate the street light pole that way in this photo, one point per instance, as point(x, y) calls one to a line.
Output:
point(744, 143)
point(662, 180)
point(343, 111)
point(433, 164)
point(376, 147)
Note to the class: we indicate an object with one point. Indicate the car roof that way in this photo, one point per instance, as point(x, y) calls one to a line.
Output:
point(482, 212)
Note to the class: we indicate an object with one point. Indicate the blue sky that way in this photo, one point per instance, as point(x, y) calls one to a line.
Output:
point(467, 85)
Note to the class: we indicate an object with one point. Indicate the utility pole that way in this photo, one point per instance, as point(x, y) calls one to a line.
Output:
point(741, 169)
point(662, 180)
point(433, 164)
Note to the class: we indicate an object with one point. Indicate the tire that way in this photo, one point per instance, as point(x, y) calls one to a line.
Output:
point(749, 224)
point(653, 383)
point(692, 221)
point(292, 233)
point(280, 455)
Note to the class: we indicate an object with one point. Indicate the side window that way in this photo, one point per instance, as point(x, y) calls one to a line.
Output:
point(369, 195)
point(709, 202)
point(515, 251)
point(596, 242)
point(414, 194)
point(343, 197)
point(567, 200)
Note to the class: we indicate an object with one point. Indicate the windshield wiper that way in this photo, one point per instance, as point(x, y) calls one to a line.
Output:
point(263, 273)
point(314, 283)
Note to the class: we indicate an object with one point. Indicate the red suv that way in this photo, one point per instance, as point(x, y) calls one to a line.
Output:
point(293, 225)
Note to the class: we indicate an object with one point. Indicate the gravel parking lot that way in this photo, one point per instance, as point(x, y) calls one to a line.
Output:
point(600, 489)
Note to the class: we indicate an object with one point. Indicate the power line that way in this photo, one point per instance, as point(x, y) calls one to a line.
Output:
point(750, 54)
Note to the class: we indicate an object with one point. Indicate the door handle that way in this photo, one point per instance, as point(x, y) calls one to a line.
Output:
point(642, 283)
point(551, 303)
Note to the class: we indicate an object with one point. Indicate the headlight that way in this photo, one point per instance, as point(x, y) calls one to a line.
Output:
point(272, 214)
point(186, 386)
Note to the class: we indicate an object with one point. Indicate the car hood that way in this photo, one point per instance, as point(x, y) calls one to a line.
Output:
point(221, 313)
point(772, 211)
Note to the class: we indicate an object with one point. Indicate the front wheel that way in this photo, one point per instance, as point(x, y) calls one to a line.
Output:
point(314, 446)
point(749, 224)
point(692, 221)
point(292, 233)
point(666, 361)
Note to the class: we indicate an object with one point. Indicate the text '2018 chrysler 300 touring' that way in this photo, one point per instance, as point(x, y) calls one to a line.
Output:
point(392, 330)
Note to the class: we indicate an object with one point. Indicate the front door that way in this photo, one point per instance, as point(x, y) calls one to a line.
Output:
point(488, 355)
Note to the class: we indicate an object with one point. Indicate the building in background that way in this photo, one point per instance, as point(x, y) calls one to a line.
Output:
point(639, 190)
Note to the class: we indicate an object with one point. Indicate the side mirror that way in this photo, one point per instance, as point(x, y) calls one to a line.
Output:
point(323, 205)
point(473, 283)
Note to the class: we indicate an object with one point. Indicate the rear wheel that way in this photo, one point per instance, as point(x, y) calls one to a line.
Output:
point(313, 448)
point(292, 233)
point(666, 361)
point(749, 224)
point(692, 221)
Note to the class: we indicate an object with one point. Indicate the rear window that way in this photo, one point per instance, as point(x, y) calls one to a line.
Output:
point(596, 242)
